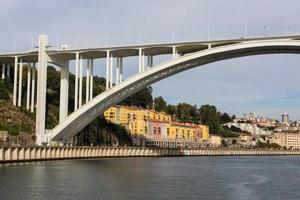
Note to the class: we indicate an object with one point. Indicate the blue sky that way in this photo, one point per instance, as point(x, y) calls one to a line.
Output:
point(268, 84)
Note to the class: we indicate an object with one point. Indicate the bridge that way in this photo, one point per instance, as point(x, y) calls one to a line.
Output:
point(183, 56)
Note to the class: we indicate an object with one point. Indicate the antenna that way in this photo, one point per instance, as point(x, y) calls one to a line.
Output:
point(173, 35)
point(245, 30)
point(208, 32)
point(15, 46)
point(139, 36)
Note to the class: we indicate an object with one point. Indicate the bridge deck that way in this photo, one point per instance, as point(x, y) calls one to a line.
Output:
point(133, 50)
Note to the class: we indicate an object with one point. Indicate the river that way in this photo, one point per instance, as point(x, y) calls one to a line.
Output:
point(228, 178)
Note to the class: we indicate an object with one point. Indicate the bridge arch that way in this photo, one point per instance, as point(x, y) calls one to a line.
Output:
point(88, 112)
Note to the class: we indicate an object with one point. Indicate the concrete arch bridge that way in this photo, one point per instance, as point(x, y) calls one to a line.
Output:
point(183, 56)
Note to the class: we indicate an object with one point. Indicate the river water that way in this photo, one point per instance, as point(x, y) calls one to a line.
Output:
point(213, 178)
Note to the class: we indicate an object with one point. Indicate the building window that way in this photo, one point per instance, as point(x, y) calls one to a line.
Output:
point(168, 131)
point(154, 130)
point(158, 130)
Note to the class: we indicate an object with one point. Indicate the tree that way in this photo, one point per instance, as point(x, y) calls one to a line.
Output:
point(225, 118)
point(171, 109)
point(160, 104)
point(209, 117)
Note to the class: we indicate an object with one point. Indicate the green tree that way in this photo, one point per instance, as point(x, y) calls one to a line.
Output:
point(171, 109)
point(160, 104)
point(224, 118)
point(209, 117)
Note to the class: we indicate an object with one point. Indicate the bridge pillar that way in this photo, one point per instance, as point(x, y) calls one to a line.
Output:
point(149, 61)
point(118, 71)
point(121, 70)
point(8, 71)
point(64, 92)
point(28, 86)
point(175, 52)
point(41, 90)
point(3, 71)
point(87, 90)
point(33, 87)
point(107, 69)
point(80, 80)
point(111, 65)
point(143, 61)
point(140, 61)
point(76, 81)
point(91, 78)
point(20, 84)
point(15, 81)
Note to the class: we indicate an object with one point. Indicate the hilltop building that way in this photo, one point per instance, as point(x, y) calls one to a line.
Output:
point(285, 118)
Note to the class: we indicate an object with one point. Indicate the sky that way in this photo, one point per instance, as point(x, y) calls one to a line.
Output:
point(268, 84)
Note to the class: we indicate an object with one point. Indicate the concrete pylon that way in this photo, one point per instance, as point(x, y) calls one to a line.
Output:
point(91, 78)
point(41, 91)
point(20, 84)
point(3, 70)
point(64, 91)
point(28, 86)
point(107, 69)
point(33, 88)
point(15, 81)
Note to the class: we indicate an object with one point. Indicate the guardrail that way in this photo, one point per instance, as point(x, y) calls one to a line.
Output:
point(25, 154)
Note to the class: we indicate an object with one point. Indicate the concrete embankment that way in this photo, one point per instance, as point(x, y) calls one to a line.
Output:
point(25, 154)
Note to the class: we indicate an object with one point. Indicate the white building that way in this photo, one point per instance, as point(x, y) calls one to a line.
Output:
point(285, 118)
point(288, 140)
point(250, 128)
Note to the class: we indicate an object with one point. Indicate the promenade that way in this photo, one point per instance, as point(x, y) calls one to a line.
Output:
point(27, 154)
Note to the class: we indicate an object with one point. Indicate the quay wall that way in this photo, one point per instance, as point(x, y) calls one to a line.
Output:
point(25, 154)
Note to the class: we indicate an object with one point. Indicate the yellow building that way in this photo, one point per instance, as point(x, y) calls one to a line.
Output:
point(204, 132)
point(150, 124)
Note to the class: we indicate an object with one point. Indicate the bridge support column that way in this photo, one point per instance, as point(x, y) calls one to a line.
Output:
point(121, 70)
point(111, 66)
point(107, 69)
point(80, 80)
point(8, 71)
point(175, 52)
point(3, 71)
point(143, 61)
point(149, 61)
point(140, 61)
point(118, 71)
point(20, 84)
point(41, 90)
point(15, 81)
point(33, 88)
point(91, 78)
point(28, 86)
point(76, 81)
point(87, 84)
point(64, 92)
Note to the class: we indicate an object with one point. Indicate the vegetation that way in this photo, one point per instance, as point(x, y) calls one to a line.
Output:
point(268, 145)
point(206, 114)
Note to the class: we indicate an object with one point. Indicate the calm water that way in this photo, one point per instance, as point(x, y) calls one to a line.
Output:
point(154, 178)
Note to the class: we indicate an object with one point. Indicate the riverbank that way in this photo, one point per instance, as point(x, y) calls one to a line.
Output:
point(28, 154)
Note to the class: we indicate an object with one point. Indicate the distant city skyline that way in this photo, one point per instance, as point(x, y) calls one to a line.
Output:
point(267, 84)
